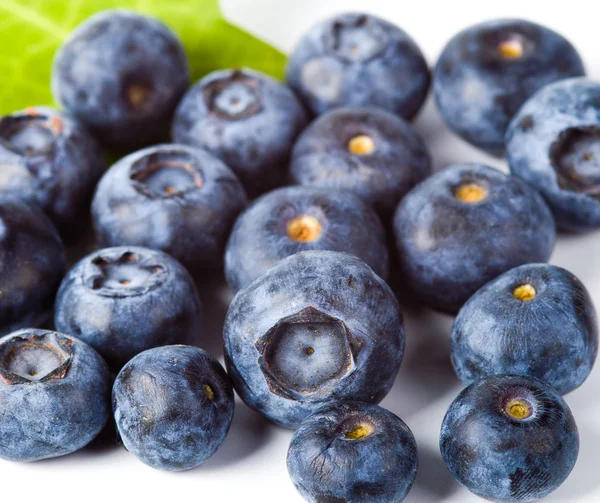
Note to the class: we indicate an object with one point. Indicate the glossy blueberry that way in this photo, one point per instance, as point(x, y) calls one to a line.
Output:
point(553, 143)
point(293, 219)
point(124, 300)
point(353, 452)
point(464, 226)
point(246, 118)
point(173, 406)
point(489, 70)
point(317, 327)
point(356, 59)
point(509, 438)
point(51, 160)
point(536, 320)
point(122, 74)
point(54, 395)
point(32, 264)
point(173, 198)
point(367, 151)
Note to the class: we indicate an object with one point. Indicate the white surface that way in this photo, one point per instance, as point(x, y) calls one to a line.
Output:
point(250, 466)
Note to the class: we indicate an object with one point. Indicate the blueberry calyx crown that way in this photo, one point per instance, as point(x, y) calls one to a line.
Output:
point(304, 228)
point(357, 40)
point(30, 133)
point(234, 97)
point(520, 405)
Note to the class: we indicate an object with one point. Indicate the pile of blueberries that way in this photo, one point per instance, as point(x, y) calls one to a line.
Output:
point(314, 336)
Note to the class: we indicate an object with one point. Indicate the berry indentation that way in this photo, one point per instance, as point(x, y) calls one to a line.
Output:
point(471, 193)
point(304, 228)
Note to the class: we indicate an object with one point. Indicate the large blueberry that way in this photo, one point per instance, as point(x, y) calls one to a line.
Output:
point(464, 226)
point(554, 144)
point(122, 74)
point(246, 118)
point(353, 452)
point(357, 59)
point(173, 198)
point(317, 327)
point(536, 320)
point(173, 406)
point(124, 300)
point(509, 438)
point(367, 151)
point(489, 70)
point(54, 395)
point(293, 219)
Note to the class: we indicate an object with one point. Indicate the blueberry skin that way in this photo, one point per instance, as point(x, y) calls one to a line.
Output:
point(260, 237)
point(326, 466)
point(356, 59)
point(122, 74)
point(547, 143)
point(54, 399)
point(552, 337)
point(124, 300)
point(505, 459)
point(51, 160)
point(317, 327)
point(32, 265)
point(478, 90)
point(322, 156)
point(247, 119)
point(173, 198)
point(173, 406)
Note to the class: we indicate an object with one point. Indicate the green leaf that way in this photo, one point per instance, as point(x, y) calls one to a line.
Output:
point(32, 30)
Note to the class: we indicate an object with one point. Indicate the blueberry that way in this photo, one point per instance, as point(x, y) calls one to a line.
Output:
point(464, 226)
point(173, 406)
point(356, 59)
point(122, 74)
point(553, 143)
point(124, 300)
point(173, 198)
point(367, 151)
point(509, 438)
point(54, 395)
point(246, 118)
point(293, 219)
point(489, 70)
point(317, 327)
point(32, 264)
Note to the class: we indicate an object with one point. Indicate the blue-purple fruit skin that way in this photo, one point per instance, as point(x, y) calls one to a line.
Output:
point(50, 405)
point(246, 118)
point(260, 237)
point(447, 248)
point(478, 90)
point(357, 60)
point(552, 337)
point(124, 300)
point(321, 156)
point(326, 466)
point(318, 327)
point(122, 74)
point(52, 160)
point(501, 458)
point(173, 407)
point(553, 143)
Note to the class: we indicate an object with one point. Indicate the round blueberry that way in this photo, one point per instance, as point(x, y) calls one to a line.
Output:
point(247, 119)
point(352, 451)
point(367, 151)
point(489, 70)
point(293, 219)
point(509, 438)
point(173, 406)
point(317, 327)
point(464, 226)
point(173, 198)
point(122, 74)
point(356, 59)
point(54, 395)
point(553, 143)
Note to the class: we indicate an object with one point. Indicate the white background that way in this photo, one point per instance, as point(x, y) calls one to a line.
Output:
point(250, 466)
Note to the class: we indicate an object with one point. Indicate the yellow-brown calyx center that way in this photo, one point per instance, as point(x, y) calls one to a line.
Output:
point(361, 145)
point(511, 49)
point(304, 228)
point(137, 95)
point(208, 391)
point(524, 292)
point(471, 193)
point(359, 431)
point(518, 409)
